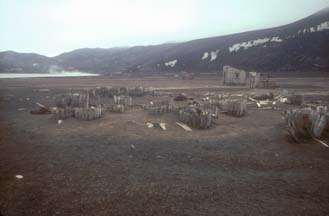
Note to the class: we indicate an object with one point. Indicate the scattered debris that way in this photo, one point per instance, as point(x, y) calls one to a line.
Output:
point(41, 90)
point(21, 109)
point(157, 125)
point(290, 98)
point(256, 101)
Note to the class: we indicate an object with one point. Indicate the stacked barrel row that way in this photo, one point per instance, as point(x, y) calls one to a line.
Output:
point(63, 113)
point(88, 114)
point(123, 100)
point(159, 107)
point(114, 91)
point(117, 108)
point(80, 113)
point(72, 100)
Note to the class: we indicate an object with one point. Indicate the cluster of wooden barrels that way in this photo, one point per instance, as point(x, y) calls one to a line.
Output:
point(114, 91)
point(88, 114)
point(72, 100)
point(160, 107)
point(123, 100)
point(307, 122)
point(196, 117)
point(80, 113)
point(233, 107)
point(108, 92)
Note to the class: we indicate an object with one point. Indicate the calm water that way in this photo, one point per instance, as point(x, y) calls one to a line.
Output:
point(34, 75)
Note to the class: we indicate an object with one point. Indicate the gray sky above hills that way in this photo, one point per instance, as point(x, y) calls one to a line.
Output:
point(51, 27)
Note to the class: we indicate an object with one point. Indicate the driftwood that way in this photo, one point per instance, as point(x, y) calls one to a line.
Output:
point(184, 126)
point(161, 125)
point(307, 123)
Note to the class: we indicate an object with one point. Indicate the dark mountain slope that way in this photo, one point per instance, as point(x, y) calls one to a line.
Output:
point(299, 46)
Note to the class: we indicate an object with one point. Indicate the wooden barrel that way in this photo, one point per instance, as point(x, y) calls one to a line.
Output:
point(63, 113)
point(232, 107)
point(196, 117)
point(88, 114)
point(123, 100)
point(160, 107)
point(118, 108)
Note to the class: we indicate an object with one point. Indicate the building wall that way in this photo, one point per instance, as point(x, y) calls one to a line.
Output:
point(233, 76)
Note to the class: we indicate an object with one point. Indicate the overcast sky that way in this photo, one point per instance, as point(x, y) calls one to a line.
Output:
point(50, 27)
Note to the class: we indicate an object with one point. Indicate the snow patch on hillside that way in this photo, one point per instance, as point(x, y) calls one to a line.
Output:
point(321, 27)
point(205, 55)
point(213, 55)
point(246, 45)
point(276, 39)
point(171, 63)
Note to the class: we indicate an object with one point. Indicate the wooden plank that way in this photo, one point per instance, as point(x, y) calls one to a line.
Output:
point(184, 126)
point(163, 126)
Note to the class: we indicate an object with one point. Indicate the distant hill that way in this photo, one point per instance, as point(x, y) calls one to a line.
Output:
point(299, 46)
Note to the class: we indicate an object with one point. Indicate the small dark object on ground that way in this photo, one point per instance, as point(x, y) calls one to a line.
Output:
point(181, 97)
point(263, 96)
point(42, 110)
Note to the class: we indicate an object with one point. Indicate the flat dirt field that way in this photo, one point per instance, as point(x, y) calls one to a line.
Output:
point(117, 166)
